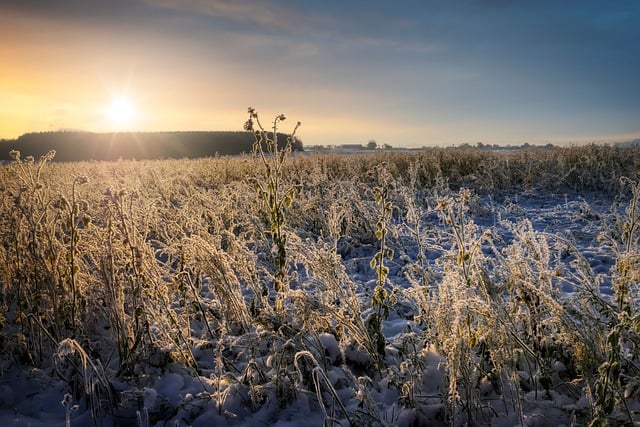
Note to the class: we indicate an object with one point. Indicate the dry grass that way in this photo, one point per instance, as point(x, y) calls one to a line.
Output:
point(150, 265)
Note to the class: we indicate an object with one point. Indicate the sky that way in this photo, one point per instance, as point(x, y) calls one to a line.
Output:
point(404, 73)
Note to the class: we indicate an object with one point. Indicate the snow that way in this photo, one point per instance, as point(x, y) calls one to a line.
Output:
point(176, 397)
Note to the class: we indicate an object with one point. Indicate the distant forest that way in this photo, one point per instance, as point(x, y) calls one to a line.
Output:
point(78, 146)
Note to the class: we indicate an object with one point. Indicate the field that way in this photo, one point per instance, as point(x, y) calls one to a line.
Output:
point(439, 287)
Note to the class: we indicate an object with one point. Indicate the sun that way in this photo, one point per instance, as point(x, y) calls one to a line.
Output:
point(121, 112)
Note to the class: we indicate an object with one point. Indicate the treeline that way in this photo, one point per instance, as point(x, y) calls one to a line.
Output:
point(78, 146)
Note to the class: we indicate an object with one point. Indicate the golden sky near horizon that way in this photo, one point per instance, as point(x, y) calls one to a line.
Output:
point(406, 76)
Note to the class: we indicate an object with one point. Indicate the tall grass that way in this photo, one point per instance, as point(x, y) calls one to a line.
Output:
point(272, 278)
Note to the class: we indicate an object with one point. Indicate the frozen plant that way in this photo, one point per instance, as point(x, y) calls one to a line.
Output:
point(273, 190)
point(72, 360)
point(76, 218)
point(618, 374)
point(70, 407)
point(382, 301)
point(462, 306)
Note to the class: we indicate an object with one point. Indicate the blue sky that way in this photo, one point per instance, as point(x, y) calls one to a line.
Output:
point(405, 73)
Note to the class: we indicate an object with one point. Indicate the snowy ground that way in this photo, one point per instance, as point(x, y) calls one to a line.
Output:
point(34, 398)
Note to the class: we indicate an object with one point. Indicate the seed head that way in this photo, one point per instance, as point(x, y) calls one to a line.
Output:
point(49, 156)
point(66, 347)
point(443, 205)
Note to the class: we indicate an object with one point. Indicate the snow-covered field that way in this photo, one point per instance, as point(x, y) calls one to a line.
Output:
point(510, 307)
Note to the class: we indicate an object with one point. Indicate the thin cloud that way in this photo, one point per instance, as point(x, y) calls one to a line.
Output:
point(266, 15)
point(335, 28)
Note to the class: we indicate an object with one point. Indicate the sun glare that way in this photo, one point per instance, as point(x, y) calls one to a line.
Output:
point(121, 112)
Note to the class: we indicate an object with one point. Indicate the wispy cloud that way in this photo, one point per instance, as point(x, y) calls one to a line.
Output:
point(264, 14)
point(335, 28)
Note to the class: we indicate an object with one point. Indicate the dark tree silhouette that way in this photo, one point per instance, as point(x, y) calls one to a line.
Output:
point(76, 146)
